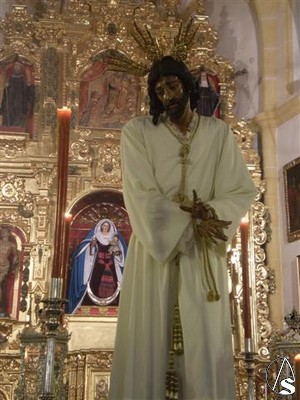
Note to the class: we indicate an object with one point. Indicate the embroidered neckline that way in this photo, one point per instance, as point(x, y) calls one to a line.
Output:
point(176, 131)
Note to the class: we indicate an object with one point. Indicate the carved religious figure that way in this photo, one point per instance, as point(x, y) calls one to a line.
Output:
point(97, 267)
point(209, 92)
point(17, 95)
point(9, 261)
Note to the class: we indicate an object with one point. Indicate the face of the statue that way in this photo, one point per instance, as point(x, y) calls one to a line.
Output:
point(17, 67)
point(172, 94)
point(105, 227)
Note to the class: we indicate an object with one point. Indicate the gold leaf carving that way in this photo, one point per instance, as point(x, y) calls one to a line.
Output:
point(12, 148)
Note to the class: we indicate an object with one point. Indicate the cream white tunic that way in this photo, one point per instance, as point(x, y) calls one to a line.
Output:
point(151, 178)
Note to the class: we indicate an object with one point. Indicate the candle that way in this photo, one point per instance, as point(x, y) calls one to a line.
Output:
point(297, 375)
point(245, 274)
point(266, 391)
point(68, 220)
point(60, 246)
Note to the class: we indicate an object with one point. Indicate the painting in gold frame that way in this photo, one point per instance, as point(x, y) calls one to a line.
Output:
point(291, 172)
point(88, 211)
point(298, 279)
point(108, 99)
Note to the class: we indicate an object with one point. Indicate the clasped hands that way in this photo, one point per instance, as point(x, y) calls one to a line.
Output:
point(205, 221)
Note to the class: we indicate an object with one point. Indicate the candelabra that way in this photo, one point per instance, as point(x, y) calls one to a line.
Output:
point(56, 343)
point(44, 347)
point(250, 367)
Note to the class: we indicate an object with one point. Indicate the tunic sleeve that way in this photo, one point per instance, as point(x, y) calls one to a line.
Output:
point(157, 222)
point(234, 189)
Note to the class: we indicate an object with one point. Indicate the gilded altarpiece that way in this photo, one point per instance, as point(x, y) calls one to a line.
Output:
point(58, 50)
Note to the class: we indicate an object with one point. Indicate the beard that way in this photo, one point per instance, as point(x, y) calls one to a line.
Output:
point(175, 108)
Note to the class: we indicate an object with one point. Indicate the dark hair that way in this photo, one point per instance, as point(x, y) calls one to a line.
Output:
point(170, 66)
point(105, 222)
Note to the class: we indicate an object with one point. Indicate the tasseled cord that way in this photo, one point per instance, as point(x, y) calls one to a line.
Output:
point(212, 293)
point(176, 348)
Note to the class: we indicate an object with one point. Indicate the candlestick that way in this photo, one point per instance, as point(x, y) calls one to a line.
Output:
point(297, 375)
point(245, 274)
point(64, 117)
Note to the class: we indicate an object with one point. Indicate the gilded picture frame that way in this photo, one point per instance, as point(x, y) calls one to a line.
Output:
point(107, 99)
point(90, 212)
point(298, 278)
point(291, 173)
point(17, 95)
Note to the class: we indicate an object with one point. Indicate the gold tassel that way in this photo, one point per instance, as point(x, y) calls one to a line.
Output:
point(176, 348)
point(212, 292)
point(177, 343)
point(172, 379)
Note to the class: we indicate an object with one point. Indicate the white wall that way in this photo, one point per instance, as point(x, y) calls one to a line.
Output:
point(296, 46)
point(288, 145)
point(237, 42)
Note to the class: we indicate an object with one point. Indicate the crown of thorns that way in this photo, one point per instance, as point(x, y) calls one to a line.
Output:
point(154, 51)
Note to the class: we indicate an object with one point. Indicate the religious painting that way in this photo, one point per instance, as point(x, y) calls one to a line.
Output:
point(298, 279)
point(209, 92)
point(99, 237)
point(291, 173)
point(108, 99)
point(17, 96)
point(11, 256)
point(100, 385)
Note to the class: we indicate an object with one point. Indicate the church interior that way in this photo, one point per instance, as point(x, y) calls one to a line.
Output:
point(61, 113)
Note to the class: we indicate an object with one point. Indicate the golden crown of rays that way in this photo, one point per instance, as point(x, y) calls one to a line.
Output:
point(152, 48)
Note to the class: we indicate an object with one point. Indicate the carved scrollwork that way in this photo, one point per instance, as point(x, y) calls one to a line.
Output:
point(264, 277)
point(12, 190)
point(13, 217)
point(44, 174)
point(246, 131)
point(12, 148)
point(107, 171)
point(9, 374)
point(80, 151)
point(77, 12)
point(18, 24)
point(50, 32)
point(5, 332)
point(40, 255)
point(102, 359)
point(18, 32)
point(260, 254)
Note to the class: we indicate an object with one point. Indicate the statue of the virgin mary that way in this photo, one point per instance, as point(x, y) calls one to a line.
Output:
point(97, 267)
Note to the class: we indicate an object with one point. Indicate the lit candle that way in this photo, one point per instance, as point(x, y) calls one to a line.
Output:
point(245, 274)
point(68, 220)
point(297, 375)
point(64, 118)
point(68, 217)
